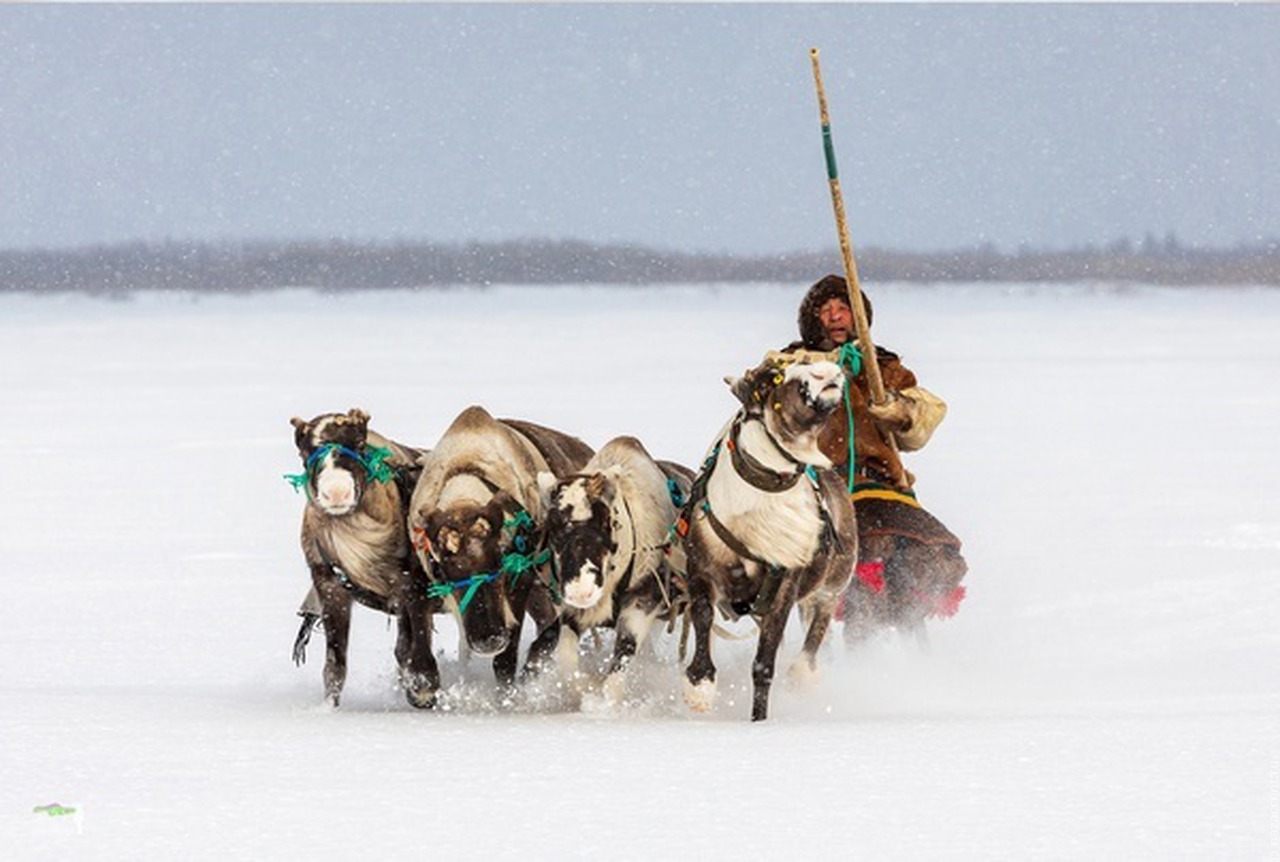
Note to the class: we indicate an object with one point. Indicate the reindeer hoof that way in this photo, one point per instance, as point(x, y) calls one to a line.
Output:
point(700, 696)
point(803, 675)
point(420, 688)
point(420, 699)
point(614, 689)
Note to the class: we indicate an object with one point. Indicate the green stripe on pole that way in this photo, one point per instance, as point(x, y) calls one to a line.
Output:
point(829, 148)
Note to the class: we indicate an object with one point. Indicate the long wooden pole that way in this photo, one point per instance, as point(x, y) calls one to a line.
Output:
point(874, 381)
point(870, 362)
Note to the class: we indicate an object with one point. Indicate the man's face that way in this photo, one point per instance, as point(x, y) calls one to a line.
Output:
point(837, 319)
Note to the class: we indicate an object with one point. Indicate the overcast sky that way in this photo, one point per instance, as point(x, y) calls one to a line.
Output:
point(691, 127)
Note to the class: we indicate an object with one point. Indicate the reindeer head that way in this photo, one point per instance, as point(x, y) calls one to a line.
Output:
point(793, 396)
point(580, 533)
point(336, 459)
point(467, 548)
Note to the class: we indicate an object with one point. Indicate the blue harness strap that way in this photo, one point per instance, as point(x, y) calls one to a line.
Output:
point(514, 564)
point(374, 461)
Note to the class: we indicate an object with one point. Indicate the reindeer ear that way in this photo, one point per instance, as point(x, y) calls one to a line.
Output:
point(440, 535)
point(503, 501)
point(355, 414)
point(547, 484)
point(741, 387)
point(301, 431)
point(603, 486)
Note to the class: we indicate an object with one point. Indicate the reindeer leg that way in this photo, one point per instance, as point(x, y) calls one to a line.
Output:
point(543, 649)
point(547, 618)
point(700, 676)
point(804, 670)
point(404, 641)
point(772, 623)
point(634, 622)
point(506, 662)
point(336, 618)
point(419, 673)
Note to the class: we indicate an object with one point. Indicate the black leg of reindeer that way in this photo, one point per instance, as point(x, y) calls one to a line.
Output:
point(701, 669)
point(542, 610)
point(625, 644)
point(543, 649)
point(336, 618)
point(419, 673)
point(634, 621)
point(772, 622)
point(506, 662)
point(404, 640)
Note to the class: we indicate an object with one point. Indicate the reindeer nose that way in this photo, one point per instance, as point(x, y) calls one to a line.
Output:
point(336, 496)
point(581, 593)
point(489, 645)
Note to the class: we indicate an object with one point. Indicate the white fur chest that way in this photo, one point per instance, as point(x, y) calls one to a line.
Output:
point(781, 528)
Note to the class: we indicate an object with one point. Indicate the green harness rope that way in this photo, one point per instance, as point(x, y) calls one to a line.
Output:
point(851, 360)
point(374, 461)
point(514, 564)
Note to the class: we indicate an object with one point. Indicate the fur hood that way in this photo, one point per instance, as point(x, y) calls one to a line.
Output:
point(812, 335)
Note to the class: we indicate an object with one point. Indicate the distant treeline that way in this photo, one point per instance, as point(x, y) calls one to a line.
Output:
point(336, 265)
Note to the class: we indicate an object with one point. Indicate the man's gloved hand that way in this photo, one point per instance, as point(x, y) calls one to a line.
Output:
point(893, 415)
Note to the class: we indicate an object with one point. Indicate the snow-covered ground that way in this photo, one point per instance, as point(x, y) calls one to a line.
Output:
point(1110, 688)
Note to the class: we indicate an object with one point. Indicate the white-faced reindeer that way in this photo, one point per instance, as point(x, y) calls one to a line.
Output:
point(769, 525)
point(356, 545)
point(613, 564)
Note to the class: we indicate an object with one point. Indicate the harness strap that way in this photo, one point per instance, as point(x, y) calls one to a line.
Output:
point(722, 532)
point(756, 474)
point(467, 586)
point(624, 583)
point(373, 459)
point(514, 564)
point(772, 574)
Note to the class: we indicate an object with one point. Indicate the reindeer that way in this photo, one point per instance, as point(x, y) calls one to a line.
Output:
point(355, 542)
point(768, 525)
point(613, 564)
point(476, 521)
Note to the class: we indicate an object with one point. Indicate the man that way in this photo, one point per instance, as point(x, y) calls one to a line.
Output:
point(909, 564)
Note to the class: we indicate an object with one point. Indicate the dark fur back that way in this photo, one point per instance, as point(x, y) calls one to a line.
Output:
point(565, 454)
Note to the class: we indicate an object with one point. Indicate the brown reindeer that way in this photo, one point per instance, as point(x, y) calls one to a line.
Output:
point(355, 542)
point(768, 525)
point(476, 522)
